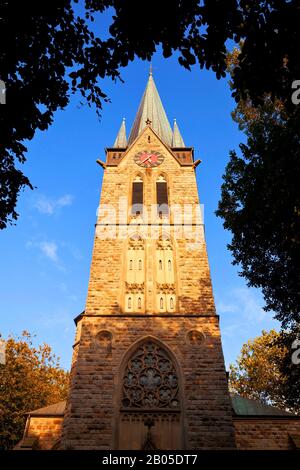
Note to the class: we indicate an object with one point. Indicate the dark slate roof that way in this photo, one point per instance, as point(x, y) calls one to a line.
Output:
point(151, 108)
point(76, 319)
point(245, 407)
point(57, 409)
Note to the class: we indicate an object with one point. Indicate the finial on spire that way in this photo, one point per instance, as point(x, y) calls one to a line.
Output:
point(150, 69)
point(121, 140)
point(177, 140)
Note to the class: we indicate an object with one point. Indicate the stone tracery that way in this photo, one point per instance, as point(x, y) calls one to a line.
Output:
point(150, 380)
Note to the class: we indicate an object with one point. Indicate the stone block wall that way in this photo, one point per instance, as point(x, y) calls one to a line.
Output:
point(251, 433)
point(265, 433)
point(191, 334)
point(107, 276)
point(91, 420)
point(47, 431)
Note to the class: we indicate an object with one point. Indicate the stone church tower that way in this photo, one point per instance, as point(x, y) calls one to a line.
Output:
point(148, 369)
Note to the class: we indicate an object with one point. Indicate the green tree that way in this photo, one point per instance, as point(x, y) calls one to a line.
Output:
point(289, 366)
point(260, 202)
point(54, 52)
point(30, 378)
point(258, 373)
point(260, 205)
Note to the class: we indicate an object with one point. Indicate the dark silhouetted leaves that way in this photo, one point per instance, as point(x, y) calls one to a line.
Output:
point(53, 53)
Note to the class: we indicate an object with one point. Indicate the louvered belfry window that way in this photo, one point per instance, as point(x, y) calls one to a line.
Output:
point(137, 197)
point(162, 196)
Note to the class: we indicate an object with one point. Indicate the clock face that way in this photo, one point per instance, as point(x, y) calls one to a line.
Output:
point(148, 159)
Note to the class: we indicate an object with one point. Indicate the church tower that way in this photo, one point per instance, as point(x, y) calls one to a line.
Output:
point(148, 369)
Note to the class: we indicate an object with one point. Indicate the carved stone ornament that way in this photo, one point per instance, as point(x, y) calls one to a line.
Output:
point(134, 287)
point(164, 244)
point(104, 339)
point(165, 288)
point(136, 243)
point(195, 338)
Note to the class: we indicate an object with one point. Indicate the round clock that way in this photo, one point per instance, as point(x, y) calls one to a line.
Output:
point(148, 159)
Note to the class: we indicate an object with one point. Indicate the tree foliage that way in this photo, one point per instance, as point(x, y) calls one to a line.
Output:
point(289, 367)
point(54, 52)
point(260, 202)
point(30, 378)
point(259, 374)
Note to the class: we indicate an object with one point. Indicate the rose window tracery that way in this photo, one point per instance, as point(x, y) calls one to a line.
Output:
point(150, 379)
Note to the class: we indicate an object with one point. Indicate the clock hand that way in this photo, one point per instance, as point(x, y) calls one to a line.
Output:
point(148, 156)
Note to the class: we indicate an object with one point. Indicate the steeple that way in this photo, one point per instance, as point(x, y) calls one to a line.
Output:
point(177, 140)
point(121, 140)
point(151, 111)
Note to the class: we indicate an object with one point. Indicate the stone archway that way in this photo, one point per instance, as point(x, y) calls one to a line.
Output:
point(150, 399)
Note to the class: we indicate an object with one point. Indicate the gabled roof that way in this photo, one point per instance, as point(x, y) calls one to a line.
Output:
point(245, 407)
point(151, 111)
point(148, 126)
point(57, 409)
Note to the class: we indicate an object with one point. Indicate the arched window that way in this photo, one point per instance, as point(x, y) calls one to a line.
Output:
point(137, 196)
point(162, 196)
point(161, 303)
point(165, 260)
point(135, 260)
point(171, 303)
point(133, 286)
point(150, 379)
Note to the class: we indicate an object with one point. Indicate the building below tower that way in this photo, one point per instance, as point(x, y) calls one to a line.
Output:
point(256, 426)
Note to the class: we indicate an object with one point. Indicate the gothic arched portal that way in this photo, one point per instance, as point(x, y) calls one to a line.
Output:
point(150, 399)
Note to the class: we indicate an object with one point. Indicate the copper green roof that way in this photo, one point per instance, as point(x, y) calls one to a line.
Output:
point(245, 407)
point(151, 111)
point(241, 406)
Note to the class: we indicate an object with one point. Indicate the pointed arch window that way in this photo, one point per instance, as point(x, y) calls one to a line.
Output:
point(129, 303)
point(130, 265)
point(162, 196)
point(139, 303)
point(150, 379)
point(165, 276)
point(137, 196)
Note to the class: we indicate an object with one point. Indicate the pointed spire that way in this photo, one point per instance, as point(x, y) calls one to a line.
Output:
point(177, 140)
point(151, 112)
point(121, 140)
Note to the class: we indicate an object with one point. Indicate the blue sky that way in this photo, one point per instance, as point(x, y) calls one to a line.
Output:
point(45, 258)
